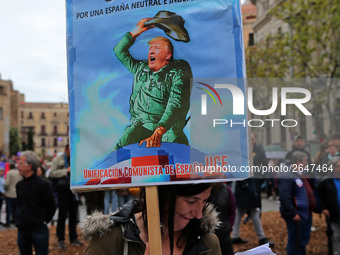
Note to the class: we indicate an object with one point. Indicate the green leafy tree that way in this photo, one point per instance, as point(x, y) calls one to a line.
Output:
point(14, 140)
point(309, 49)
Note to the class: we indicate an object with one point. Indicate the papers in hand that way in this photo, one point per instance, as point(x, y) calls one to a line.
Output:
point(260, 250)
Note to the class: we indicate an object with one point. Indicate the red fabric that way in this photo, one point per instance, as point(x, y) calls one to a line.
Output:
point(310, 194)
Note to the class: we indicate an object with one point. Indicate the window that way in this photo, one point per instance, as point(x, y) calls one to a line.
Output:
point(55, 114)
point(43, 129)
point(43, 142)
point(55, 142)
point(30, 115)
point(251, 39)
point(1, 113)
point(42, 115)
point(55, 129)
point(251, 17)
point(22, 114)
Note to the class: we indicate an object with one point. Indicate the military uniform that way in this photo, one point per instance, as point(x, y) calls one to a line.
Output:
point(158, 99)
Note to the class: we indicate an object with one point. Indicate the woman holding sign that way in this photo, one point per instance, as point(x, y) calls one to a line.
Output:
point(187, 225)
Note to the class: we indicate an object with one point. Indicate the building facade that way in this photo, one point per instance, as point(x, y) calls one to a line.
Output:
point(249, 13)
point(5, 115)
point(264, 26)
point(9, 113)
point(49, 124)
point(46, 123)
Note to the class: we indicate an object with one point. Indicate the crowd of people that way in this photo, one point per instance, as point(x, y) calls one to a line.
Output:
point(313, 187)
point(32, 189)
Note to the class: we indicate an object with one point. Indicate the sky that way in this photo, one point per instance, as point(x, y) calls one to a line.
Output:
point(33, 49)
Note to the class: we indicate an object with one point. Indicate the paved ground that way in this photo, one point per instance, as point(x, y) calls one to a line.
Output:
point(270, 205)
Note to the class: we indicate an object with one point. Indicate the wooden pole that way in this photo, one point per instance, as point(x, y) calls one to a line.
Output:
point(154, 228)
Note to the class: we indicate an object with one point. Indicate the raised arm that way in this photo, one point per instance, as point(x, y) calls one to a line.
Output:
point(140, 28)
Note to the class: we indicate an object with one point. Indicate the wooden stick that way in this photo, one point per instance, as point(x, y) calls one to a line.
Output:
point(152, 212)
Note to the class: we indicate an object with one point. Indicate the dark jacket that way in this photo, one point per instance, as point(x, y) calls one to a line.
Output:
point(248, 194)
point(328, 195)
point(294, 196)
point(259, 156)
point(106, 234)
point(36, 203)
point(224, 202)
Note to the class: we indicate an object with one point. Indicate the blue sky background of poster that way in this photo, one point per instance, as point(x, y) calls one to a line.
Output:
point(101, 86)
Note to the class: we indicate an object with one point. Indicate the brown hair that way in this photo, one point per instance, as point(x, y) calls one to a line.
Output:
point(167, 201)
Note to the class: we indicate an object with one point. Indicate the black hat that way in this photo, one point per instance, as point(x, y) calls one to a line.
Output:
point(171, 23)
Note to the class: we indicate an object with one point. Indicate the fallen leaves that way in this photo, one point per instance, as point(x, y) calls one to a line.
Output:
point(273, 225)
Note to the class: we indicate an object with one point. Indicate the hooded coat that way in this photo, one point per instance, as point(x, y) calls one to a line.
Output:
point(108, 234)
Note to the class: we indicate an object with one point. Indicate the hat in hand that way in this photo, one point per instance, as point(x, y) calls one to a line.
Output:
point(171, 23)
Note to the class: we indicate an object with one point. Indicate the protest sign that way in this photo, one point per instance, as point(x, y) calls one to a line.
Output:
point(127, 94)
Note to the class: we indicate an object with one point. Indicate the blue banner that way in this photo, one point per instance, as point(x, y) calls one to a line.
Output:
point(143, 98)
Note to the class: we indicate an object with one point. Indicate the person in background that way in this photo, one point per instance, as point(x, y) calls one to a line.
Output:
point(248, 198)
point(297, 202)
point(2, 190)
point(298, 145)
point(332, 151)
point(94, 201)
point(41, 172)
point(321, 153)
point(123, 196)
point(48, 169)
point(336, 137)
point(110, 198)
point(12, 178)
point(36, 207)
point(67, 200)
point(224, 202)
point(329, 193)
point(135, 191)
point(187, 223)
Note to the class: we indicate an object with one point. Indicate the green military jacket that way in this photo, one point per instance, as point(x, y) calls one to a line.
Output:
point(158, 99)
